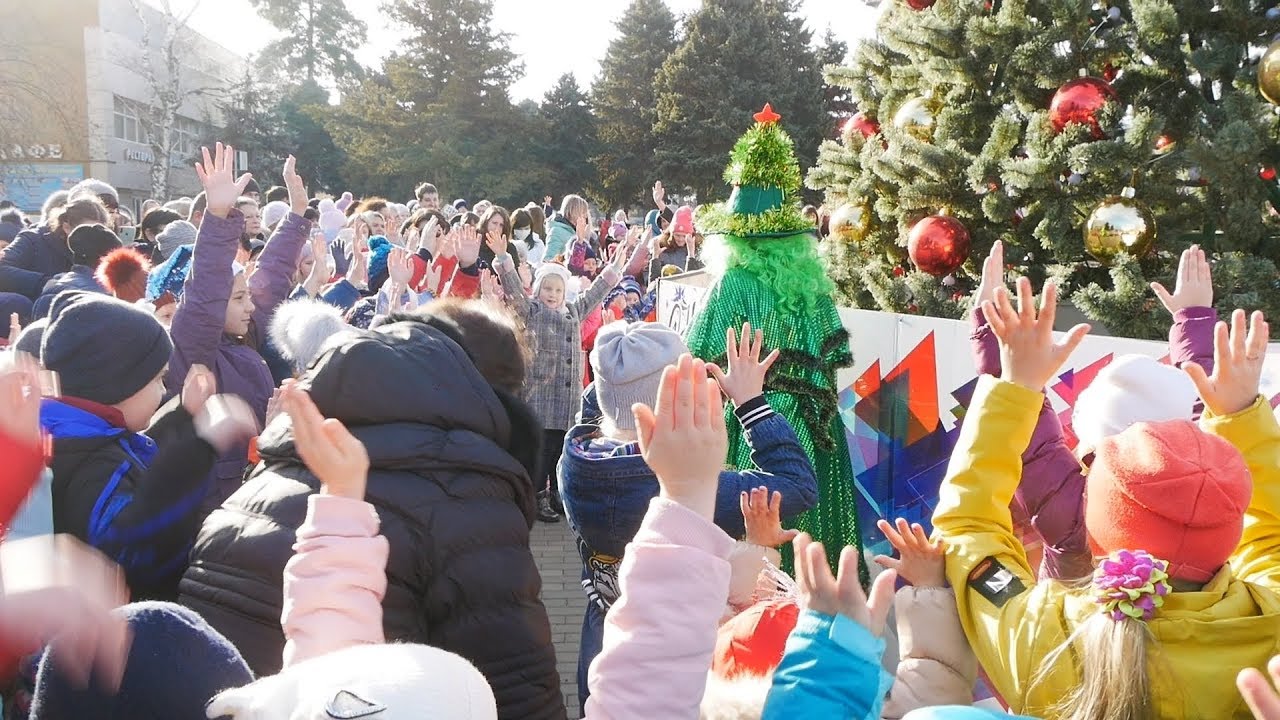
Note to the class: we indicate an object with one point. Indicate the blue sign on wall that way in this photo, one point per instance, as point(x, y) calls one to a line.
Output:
point(28, 184)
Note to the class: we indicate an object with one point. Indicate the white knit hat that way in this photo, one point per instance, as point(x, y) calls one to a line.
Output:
point(549, 269)
point(273, 213)
point(1131, 390)
point(628, 361)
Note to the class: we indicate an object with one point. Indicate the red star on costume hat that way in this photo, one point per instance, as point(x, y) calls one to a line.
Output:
point(767, 115)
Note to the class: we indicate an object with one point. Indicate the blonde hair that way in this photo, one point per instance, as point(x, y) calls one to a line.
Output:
point(573, 205)
point(1115, 682)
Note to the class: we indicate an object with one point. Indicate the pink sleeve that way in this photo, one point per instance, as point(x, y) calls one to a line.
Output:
point(662, 631)
point(334, 583)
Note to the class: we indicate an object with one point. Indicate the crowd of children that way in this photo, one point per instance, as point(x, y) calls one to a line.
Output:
point(282, 456)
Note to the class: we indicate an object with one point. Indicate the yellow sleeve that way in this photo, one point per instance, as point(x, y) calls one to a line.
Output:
point(1256, 435)
point(986, 564)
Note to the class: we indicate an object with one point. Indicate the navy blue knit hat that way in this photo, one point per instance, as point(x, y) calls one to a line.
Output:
point(177, 664)
point(104, 350)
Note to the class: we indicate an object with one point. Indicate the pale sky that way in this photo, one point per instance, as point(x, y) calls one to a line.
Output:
point(548, 46)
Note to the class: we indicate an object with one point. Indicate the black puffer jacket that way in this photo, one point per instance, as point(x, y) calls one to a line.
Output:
point(455, 504)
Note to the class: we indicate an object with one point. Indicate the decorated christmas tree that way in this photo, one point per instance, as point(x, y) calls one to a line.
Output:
point(1096, 140)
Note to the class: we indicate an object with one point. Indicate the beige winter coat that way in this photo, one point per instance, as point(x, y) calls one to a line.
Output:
point(936, 665)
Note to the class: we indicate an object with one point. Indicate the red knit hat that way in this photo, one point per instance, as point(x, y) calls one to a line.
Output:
point(1170, 489)
point(751, 643)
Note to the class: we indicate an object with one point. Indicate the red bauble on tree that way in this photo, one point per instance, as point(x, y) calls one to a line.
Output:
point(1267, 173)
point(938, 245)
point(861, 124)
point(920, 4)
point(1080, 101)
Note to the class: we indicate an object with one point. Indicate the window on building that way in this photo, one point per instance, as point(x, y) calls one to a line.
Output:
point(127, 124)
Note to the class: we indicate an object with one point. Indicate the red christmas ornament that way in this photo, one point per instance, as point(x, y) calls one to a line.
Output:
point(767, 116)
point(1109, 72)
point(862, 124)
point(1267, 173)
point(898, 271)
point(1164, 144)
point(1080, 101)
point(938, 245)
point(957, 296)
point(920, 4)
point(913, 308)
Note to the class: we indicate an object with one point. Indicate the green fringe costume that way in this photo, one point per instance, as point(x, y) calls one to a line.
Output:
point(770, 275)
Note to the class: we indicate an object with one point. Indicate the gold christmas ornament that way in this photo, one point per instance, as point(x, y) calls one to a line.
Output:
point(1119, 224)
point(849, 222)
point(916, 117)
point(1269, 74)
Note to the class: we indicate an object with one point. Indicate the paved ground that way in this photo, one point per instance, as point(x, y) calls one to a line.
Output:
point(562, 594)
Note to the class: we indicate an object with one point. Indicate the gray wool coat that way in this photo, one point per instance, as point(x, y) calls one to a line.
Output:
point(554, 384)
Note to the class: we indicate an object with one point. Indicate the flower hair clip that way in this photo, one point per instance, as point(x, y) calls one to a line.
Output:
point(1131, 584)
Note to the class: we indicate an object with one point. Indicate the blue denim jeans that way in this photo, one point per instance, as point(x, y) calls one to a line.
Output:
point(588, 649)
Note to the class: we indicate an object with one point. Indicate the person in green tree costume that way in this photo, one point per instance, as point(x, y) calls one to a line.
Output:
point(764, 254)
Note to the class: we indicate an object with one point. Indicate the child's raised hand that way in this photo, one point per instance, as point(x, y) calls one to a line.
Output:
point(921, 562)
point(1194, 286)
point(685, 442)
point(297, 190)
point(840, 595)
point(199, 386)
point(745, 379)
point(490, 289)
point(221, 188)
point(992, 276)
point(400, 268)
point(1262, 698)
point(20, 399)
point(496, 243)
point(468, 245)
point(1027, 349)
point(329, 450)
point(1237, 371)
point(225, 421)
point(15, 327)
point(762, 515)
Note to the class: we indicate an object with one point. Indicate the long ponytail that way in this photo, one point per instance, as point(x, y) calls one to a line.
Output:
point(1114, 680)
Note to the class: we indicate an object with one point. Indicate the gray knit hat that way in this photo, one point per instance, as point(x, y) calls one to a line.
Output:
point(628, 362)
point(175, 235)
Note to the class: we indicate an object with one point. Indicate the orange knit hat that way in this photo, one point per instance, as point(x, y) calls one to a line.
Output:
point(1170, 489)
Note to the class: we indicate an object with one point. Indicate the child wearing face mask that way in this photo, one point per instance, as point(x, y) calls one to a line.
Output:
point(222, 319)
point(522, 230)
point(554, 325)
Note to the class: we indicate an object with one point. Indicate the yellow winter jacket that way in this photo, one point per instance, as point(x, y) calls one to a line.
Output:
point(1203, 638)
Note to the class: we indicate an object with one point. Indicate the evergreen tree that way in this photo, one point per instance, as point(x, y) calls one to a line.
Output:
point(736, 56)
point(570, 138)
point(962, 92)
point(318, 42)
point(837, 100)
point(625, 104)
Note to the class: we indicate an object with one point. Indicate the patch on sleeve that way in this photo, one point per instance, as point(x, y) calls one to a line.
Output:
point(995, 582)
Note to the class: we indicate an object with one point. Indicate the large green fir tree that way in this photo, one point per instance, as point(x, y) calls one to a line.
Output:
point(318, 42)
point(955, 99)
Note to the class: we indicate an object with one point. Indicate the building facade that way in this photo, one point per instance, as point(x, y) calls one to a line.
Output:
point(82, 103)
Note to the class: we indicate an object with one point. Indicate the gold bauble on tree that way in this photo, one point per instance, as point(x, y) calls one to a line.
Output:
point(1269, 74)
point(849, 222)
point(1119, 224)
point(916, 116)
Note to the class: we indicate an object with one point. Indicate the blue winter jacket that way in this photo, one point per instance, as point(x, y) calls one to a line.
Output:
point(831, 669)
point(79, 277)
point(133, 496)
point(35, 256)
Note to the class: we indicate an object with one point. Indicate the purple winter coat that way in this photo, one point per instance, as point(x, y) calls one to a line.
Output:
point(1052, 490)
point(197, 326)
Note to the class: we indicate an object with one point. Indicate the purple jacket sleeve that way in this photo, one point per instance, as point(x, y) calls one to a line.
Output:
point(1191, 337)
point(202, 313)
point(1052, 489)
point(277, 265)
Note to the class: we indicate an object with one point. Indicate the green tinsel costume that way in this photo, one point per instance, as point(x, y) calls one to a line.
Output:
point(765, 254)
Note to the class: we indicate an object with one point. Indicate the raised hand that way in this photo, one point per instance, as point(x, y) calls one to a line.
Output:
point(15, 327)
point(992, 276)
point(745, 379)
point(842, 594)
point(762, 515)
point(920, 561)
point(685, 441)
point(427, 238)
point(1237, 365)
point(468, 245)
point(1194, 287)
point(583, 227)
point(1258, 692)
point(447, 246)
point(20, 399)
point(71, 611)
point(221, 187)
point(358, 272)
point(226, 421)
point(431, 279)
point(274, 406)
point(1029, 355)
point(400, 267)
point(329, 450)
point(297, 190)
point(199, 386)
point(496, 242)
point(659, 195)
point(491, 289)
